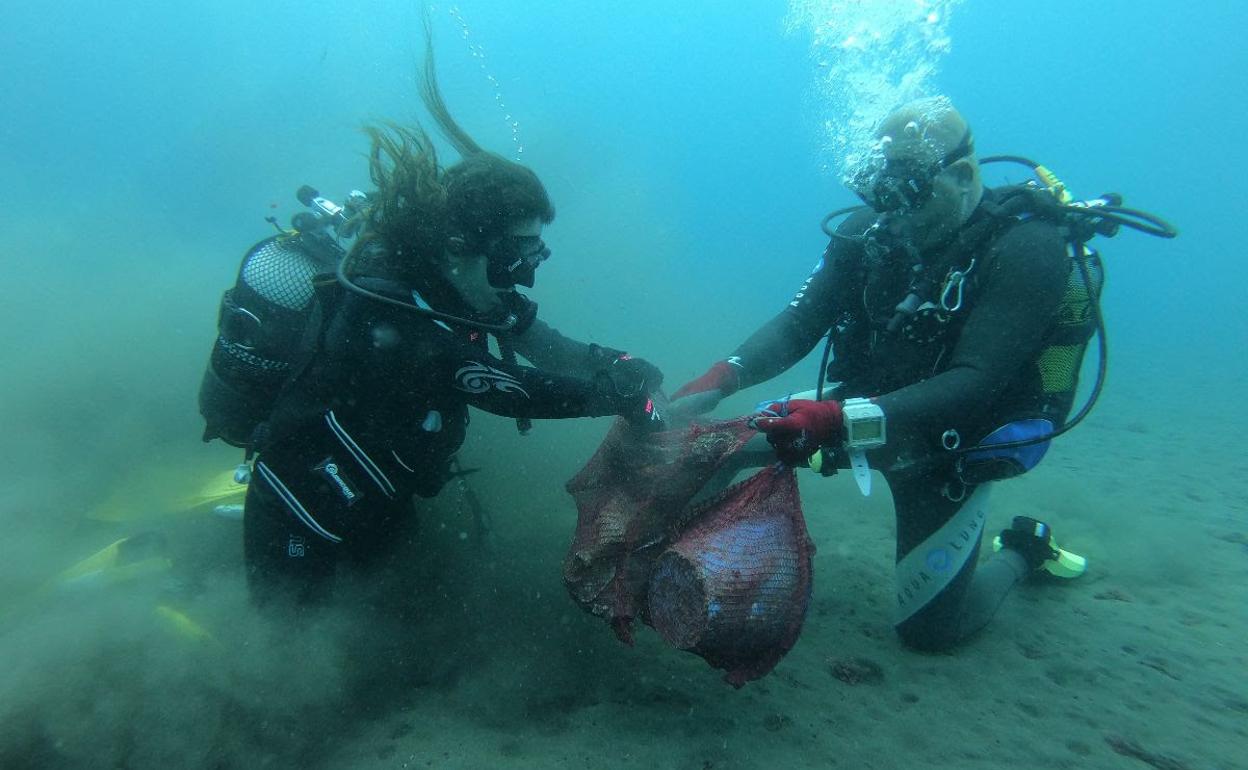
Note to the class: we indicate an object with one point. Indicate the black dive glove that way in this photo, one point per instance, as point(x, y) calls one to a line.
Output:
point(630, 385)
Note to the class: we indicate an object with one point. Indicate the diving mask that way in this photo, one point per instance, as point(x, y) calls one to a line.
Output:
point(513, 260)
point(904, 184)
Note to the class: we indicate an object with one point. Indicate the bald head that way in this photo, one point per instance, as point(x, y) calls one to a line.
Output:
point(926, 130)
point(922, 174)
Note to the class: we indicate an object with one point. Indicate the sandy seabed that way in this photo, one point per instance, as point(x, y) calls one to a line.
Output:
point(1141, 663)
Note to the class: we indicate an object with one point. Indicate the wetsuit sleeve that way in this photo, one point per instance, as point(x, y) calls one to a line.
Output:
point(547, 348)
point(1017, 304)
point(514, 390)
point(790, 335)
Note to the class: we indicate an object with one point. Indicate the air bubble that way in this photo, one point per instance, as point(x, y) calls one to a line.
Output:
point(870, 57)
point(478, 52)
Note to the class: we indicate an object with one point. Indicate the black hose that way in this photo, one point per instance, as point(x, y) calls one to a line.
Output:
point(823, 368)
point(1127, 217)
point(1028, 162)
point(350, 285)
point(827, 348)
point(823, 224)
point(508, 354)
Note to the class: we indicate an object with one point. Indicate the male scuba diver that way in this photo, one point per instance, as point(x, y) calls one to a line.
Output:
point(396, 350)
point(958, 321)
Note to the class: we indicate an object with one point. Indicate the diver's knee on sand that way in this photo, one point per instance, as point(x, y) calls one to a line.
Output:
point(953, 617)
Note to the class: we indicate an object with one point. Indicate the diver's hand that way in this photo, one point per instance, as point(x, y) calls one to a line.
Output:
point(648, 415)
point(705, 393)
point(798, 428)
point(634, 375)
point(624, 374)
point(631, 385)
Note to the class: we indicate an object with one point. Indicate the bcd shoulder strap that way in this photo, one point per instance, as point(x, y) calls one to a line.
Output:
point(327, 295)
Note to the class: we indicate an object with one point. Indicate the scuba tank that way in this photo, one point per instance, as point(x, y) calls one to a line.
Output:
point(263, 316)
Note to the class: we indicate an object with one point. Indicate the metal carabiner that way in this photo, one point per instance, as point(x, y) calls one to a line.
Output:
point(947, 492)
point(954, 283)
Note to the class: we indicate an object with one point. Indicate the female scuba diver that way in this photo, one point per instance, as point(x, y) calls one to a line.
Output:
point(378, 408)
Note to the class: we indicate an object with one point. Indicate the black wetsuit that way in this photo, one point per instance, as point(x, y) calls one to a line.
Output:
point(375, 418)
point(969, 370)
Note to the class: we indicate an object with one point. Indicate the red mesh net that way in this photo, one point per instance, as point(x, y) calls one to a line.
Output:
point(728, 578)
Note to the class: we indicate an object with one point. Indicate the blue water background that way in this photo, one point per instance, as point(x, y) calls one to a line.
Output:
point(680, 143)
point(143, 143)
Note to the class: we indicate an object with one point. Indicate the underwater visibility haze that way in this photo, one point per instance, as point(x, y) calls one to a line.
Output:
point(690, 151)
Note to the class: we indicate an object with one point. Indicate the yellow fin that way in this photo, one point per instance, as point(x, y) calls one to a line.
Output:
point(154, 491)
point(120, 561)
point(179, 624)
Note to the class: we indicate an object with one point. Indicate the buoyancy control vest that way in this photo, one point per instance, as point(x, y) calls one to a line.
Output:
point(916, 334)
point(1056, 368)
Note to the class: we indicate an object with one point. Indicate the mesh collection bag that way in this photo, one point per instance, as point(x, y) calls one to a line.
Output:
point(728, 578)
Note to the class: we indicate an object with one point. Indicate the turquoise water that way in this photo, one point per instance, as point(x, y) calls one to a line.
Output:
point(691, 151)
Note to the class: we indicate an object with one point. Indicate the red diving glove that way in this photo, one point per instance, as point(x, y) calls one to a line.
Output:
point(704, 393)
point(801, 427)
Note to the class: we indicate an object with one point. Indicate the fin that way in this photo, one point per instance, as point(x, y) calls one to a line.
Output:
point(153, 492)
point(232, 511)
point(221, 489)
point(124, 560)
point(178, 624)
point(1066, 564)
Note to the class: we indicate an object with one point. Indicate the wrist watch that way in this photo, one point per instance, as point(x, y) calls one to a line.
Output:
point(865, 428)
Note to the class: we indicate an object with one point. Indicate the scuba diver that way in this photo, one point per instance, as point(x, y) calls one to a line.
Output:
point(957, 318)
point(348, 378)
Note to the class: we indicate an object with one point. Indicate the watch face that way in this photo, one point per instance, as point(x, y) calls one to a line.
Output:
point(867, 430)
point(864, 424)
